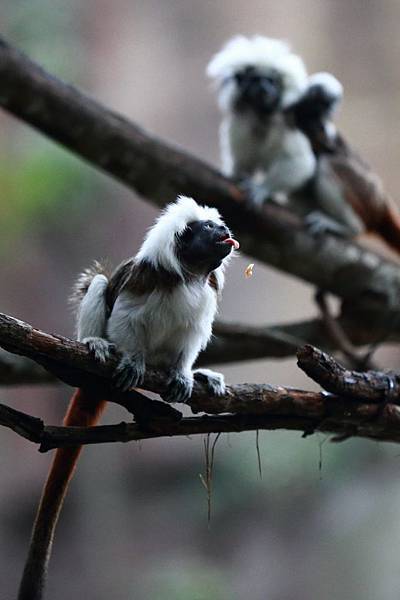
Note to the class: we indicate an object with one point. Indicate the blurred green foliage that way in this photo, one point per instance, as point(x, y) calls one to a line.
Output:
point(54, 40)
point(38, 180)
point(186, 582)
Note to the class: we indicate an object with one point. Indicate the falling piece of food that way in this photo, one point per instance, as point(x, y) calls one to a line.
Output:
point(248, 272)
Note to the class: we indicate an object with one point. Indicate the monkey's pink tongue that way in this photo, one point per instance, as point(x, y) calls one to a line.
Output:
point(232, 242)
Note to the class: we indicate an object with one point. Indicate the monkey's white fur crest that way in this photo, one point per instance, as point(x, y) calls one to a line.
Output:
point(331, 85)
point(269, 155)
point(159, 244)
point(334, 91)
point(263, 53)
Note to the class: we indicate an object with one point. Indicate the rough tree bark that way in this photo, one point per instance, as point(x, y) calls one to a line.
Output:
point(358, 407)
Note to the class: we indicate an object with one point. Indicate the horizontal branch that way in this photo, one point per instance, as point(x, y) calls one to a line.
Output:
point(231, 343)
point(331, 415)
point(71, 362)
point(251, 406)
point(159, 172)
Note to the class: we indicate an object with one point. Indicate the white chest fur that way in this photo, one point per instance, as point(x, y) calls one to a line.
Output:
point(164, 325)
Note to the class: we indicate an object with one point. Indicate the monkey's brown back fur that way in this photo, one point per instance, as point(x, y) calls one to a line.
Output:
point(363, 190)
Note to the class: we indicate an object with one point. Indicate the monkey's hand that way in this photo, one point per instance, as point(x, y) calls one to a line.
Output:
point(179, 388)
point(258, 193)
point(317, 223)
point(129, 372)
point(101, 349)
point(214, 381)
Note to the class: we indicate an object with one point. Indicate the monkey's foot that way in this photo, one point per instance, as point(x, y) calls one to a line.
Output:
point(317, 224)
point(214, 381)
point(101, 349)
point(129, 372)
point(179, 388)
point(257, 194)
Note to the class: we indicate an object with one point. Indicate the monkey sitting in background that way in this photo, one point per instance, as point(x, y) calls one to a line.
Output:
point(257, 79)
point(349, 198)
point(156, 310)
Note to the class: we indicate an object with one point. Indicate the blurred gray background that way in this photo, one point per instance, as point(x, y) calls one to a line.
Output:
point(135, 523)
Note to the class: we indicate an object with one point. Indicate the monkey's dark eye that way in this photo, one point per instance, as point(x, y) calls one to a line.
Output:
point(208, 225)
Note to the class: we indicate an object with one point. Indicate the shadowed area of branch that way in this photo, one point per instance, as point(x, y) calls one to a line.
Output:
point(364, 420)
point(159, 172)
point(19, 370)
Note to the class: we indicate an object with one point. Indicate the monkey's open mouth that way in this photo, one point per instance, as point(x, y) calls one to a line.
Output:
point(231, 242)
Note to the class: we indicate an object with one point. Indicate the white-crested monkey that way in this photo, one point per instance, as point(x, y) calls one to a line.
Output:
point(157, 310)
point(257, 79)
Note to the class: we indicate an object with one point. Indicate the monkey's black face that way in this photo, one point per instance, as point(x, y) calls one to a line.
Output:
point(203, 245)
point(317, 103)
point(260, 92)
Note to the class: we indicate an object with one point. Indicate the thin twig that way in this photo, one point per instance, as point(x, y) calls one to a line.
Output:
point(258, 454)
point(340, 337)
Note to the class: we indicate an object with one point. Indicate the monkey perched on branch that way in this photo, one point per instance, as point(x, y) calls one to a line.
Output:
point(257, 79)
point(349, 196)
point(156, 310)
point(278, 139)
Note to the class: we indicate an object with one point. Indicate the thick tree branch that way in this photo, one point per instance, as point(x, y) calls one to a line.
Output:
point(72, 363)
point(231, 343)
point(367, 421)
point(356, 411)
point(159, 172)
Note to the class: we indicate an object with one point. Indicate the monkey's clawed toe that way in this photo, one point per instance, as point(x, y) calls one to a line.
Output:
point(179, 388)
point(129, 372)
point(100, 348)
point(213, 380)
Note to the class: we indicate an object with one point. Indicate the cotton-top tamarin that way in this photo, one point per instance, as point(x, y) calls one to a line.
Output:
point(257, 78)
point(157, 310)
point(349, 196)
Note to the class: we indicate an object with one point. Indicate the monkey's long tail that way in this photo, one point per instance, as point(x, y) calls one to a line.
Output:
point(84, 410)
point(390, 227)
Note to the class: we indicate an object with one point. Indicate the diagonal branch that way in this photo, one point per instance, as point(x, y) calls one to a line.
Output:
point(369, 386)
point(159, 172)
